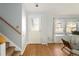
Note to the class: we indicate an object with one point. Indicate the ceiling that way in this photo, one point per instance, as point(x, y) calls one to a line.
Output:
point(54, 8)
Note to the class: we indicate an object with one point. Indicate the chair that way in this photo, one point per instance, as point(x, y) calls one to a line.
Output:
point(66, 44)
point(69, 48)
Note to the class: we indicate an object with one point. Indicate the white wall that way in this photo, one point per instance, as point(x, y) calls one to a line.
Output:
point(12, 13)
point(24, 28)
point(46, 29)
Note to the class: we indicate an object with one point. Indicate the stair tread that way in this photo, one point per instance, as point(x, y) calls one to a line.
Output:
point(16, 53)
point(10, 50)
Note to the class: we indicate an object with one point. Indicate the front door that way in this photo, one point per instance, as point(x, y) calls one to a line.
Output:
point(34, 29)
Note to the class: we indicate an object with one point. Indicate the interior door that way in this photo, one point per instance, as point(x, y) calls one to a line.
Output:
point(34, 29)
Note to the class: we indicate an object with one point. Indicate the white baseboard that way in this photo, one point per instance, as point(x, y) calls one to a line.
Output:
point(23, 49)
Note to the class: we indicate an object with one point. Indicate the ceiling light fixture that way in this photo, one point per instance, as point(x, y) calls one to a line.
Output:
point(36, 5)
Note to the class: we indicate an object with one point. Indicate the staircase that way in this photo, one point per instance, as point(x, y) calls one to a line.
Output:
point(11, 50)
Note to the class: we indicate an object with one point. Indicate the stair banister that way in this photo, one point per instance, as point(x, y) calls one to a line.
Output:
point(10, 25)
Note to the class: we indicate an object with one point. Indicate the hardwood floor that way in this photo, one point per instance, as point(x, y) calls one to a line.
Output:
point(44, 50)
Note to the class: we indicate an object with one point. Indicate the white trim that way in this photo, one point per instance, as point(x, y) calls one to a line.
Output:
point(2, 50)
point(23, 49)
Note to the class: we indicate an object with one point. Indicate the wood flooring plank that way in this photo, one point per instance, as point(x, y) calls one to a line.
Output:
point(44, 50)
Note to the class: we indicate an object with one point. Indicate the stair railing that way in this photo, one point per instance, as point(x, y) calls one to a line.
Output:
point(10, 25)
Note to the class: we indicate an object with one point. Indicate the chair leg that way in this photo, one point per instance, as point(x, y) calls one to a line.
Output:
point(62, 48)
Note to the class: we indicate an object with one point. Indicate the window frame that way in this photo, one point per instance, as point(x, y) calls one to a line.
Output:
point(64, 32)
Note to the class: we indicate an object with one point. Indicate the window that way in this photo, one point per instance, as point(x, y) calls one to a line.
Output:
point(62, 27)
point(59, 27)
point(35, 24)
point(71, 26)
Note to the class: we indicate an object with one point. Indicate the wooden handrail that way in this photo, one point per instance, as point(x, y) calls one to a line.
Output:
point(10, 25)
